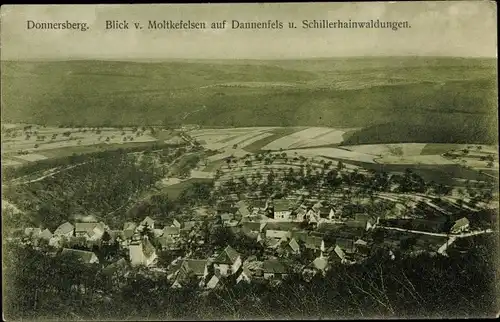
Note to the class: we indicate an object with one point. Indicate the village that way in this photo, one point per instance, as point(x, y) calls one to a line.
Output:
point(276, 240)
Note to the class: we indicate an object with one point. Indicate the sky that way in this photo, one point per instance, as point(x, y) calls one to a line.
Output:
point(448, 28)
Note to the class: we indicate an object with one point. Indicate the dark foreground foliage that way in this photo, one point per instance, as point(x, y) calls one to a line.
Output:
point(461, 285)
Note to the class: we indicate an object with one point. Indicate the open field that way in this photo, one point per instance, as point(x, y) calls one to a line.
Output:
point(403, 149)
point(308, 137)
point(334, 153)
point(174, 190)
point(414, 159)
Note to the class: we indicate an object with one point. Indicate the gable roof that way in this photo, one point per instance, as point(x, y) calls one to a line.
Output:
point(46, 234)
point(274, 266)
point(282, 225)
point(129, 225)
point(148, 248)
point(113, 267)
point(148, 220)
point(169, 231)
point(166, 241)
point(227, 256)
point(345, 243)
point(282, 205)
point(64, 229)
point(194, 266)
point(83, 255)
point(360, 242)
point(320, 263)
point(294, 245)
point(340, 253)
point(461, 222)
point(251, 225)
point(243, 210)
point(313, 242)
point(188, 225)
point(226, 216)
point(89, 227)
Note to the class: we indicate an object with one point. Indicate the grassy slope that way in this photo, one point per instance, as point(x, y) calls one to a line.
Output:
point(409, 99)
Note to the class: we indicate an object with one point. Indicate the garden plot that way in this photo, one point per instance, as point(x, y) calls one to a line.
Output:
point(331, 137)
point(297, 139)
point(335, 153)
point(240, 141)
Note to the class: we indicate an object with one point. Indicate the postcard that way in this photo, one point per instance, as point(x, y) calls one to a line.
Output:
point(250, 161)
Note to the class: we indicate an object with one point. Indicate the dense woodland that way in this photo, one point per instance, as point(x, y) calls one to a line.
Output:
point(448, 99)
point(460, 285)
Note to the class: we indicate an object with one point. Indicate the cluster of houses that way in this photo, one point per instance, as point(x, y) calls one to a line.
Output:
point(285, 230)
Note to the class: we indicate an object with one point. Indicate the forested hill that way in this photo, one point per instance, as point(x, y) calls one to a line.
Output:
point(357, 92)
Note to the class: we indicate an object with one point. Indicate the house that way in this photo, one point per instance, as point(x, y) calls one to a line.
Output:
point(243, 210)
point(75, 241)
point(188, 225)
point(323, 212)
point(300, 214)
point(147, 222)
point(293, 247)
point(312, 216)
point(274, 268)
point(279, 234)
point(460, 226)
point(314, 243)
point(173, 232)
point(253, 226)
point(84, 256)
point(119, 265)
point(320, 265)
point(225, 217)
point(167, 243)
point(198, 268)
point(129, 229)
point(332, 215)
point(273, 243)
point(282, 225)
point(338, 255)
point(45, 234)
point(346, 244)
point(91, 231)
point(58, 240)
point(176, 223)
point(228, 261)
point(213, 282)
point(244, 275)
point(65, 229)
point(142, 252)
point(282, 209)
point(361, 246)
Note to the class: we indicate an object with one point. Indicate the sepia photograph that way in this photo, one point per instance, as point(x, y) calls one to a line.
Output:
point(257, 161)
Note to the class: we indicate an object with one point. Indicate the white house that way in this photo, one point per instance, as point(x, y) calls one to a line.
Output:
point(274, 268)
point(228, 261)
point(142, 253)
